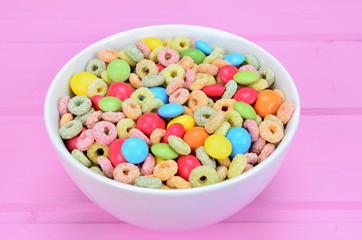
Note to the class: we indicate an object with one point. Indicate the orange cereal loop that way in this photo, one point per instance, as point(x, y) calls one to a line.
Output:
point(65, 118)
point(135, 81)
point(163, 186)
point(108, 55)
point(271, 131)
point(219, 81)
point(174, 85)
point(197, 99)
point(224, 162)
point(280, 93)
point(157, 135)
point(285, 111)
point(224, 105)
point(178, 183)
point(187, 111)
point(194, 67)
point(165, 169)
point(219, 63)
point(199, 84)
point(215, 122)
point(207, 68)
point(131, 109)
point(186, 63)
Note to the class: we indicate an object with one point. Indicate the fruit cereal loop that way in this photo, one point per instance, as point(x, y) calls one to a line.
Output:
point(146, 68)
point(133, 52)
point(259, 85)
point(83, 118)
point(126, 173)
point(124, 56)
point(97, 150)
point(207, 68)
point(219, 81)
point(219, 63)
point(203, 176)
point(234, 118)
point(104, 132)
point(194, 67)
point(275, 119)
point(163, 186)
point(79, 105)
point(258, 120)
point(174, 85)
point(271, 131)
point(186, 63)
point(268, 74)
point(97, 87)
point(168, 56)
point(207, 75)
point(188, 112)
point(248, 68)
point(131, 109)
point(70, 129)
point(204, 158)
point(144, 48)
point(199, 84)
point(210, 102)
point(135, 81)
point(165, 170)
point(85, 140)
point(224, 104)
point(142, 92)
point(124, 126)
point(223, 129)
point(106, 166)
point(107, 55)
point(190, 78)
point(148, 182)
point(65, 119)
point(181, 43)
point(113, 117)
point(148, 165)
point(248, 167)
point(97, 170)
point(172, 72)
point(152, 106)
point(177, 182)
point(267, 150)
point(192, 42)
point(63, 105)
point(251, 60)
point(252, 128)
point(251, 158)
point(179, 145)
point(197, 99)
point(202, 115)
point(93, 119)
point(154, 53)
point(96, 67)
point(257, 146)
point(222, 172)
point(281, 94)
point(230, 89)
point(105, 78)
point(180, 96)
point(168, 43)
point(215, 122)
point(285, 111)
point(157, 135)
point(224, 162)
point(153, 81)
point(237, 166)
point(134, 132)
point(79, 155)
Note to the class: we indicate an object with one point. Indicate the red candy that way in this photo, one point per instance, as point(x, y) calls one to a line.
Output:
point(114, 152)
point(176, 129)
point(246, 94)
point(149, 122)
point(186, 164)
point(214, 90)
point(95, 99)
point(227, 72)
point(120, 90)
point(72, 143)
point(160, 67)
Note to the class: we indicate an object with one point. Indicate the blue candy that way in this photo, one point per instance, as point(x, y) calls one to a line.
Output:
point(234, 58)
point(170, 110)
point(160, 93)
point(134, 150)
point(240, 140)
point(203, 46)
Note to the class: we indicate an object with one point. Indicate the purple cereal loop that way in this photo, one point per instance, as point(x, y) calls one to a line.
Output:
point(258, 145)
point(252, 128)
point(113, 117)
point(190, 78)
point(148, 165)
point(63, 105)
point(106, 166)
point(173, 55)
point(93, 119)
point(85, 140)
point(134, 132)
point(144, 48)
point(101, 136)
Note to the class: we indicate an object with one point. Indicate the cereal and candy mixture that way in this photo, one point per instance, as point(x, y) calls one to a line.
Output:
point(173, 114)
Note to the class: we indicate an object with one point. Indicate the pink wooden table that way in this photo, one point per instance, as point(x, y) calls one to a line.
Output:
point(317, 194)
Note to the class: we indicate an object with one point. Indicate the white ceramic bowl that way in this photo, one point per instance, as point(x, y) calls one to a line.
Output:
point(170, 209)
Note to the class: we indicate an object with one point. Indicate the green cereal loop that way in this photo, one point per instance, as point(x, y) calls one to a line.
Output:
point(123, 127)
point(222, 172)
point(154, 53)
point(234, 118)
point(172, 72)
point(96, 67)
point(142, 92)
point(237, 165)
point(97, 150)
point(210, 102)
point(153, 81)
point(203, 176)
point(251, 60)
point(258, 120)
point(133, 52)
point(202, 115)
point(124, 56)
point(275, 119)
point(204, 158)
point(207, 75)
point(97, 87)
point(83, 118)
point(179, 145)
point(105, 78)
point(97, 170)
point(268, 74)
point(148, 182)
point(217, 50)
point(79, 155)
point(152, 106)
point(230, 89)
point(168, 43)
point(79, 105)
point(223, 129)
point(181, 43)
point(70, 129)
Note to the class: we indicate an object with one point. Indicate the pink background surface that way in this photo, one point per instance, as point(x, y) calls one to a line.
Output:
point(317, 193)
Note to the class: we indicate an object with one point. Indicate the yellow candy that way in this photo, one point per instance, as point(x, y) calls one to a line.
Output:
point(152, 42)
point(218, 146)
point(80, 82)
point(158, 160)
point(187, 121)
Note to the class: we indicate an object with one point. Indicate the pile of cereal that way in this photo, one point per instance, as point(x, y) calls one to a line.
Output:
point(173, 114)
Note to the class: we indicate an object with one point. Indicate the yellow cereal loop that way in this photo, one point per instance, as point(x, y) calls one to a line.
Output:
point(168, 42)
point(124, 126)
point(181, 43)
point(173, 72)
point(234, 118)
point(105, 78)
point(259, 85)
point(237, 166)
point(154, 53)
point(200, 76)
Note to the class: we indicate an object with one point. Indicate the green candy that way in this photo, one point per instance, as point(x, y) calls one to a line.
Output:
point(245, 110)
point(164, 151)
point(246, 77)
point(118, 70)
point(110, 104)
point(197, 55)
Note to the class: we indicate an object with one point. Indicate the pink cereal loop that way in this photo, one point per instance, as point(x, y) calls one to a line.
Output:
point(113, 117)
point(174, 85)
point(258, 145)
point(100, 135)
point(248, 68)
point(207, 68)
point(192, 42)
point(285, 111)
point(267, 150)
point(144, 48)
point(248, 167)
point(106, 166)
point(180, 96)
point(186, 63)
point(190, 78)
point(126, 173)
point(108, 55)
point(252, 128)
point(219, 63)
point(93, 119)
point(157, 135)
point(148, 165)
point(63, 105)
point(85, 140)
point(251, 158)
point(168, 56)
point(134, 132)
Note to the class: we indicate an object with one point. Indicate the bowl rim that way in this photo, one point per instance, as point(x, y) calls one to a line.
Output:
point(65, 154)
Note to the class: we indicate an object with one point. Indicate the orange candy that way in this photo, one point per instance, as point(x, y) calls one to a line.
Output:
point(195, 137)
point(268, 102)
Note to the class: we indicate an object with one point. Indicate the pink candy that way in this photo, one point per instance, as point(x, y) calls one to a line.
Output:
point(104, 132)
point(85, 140)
